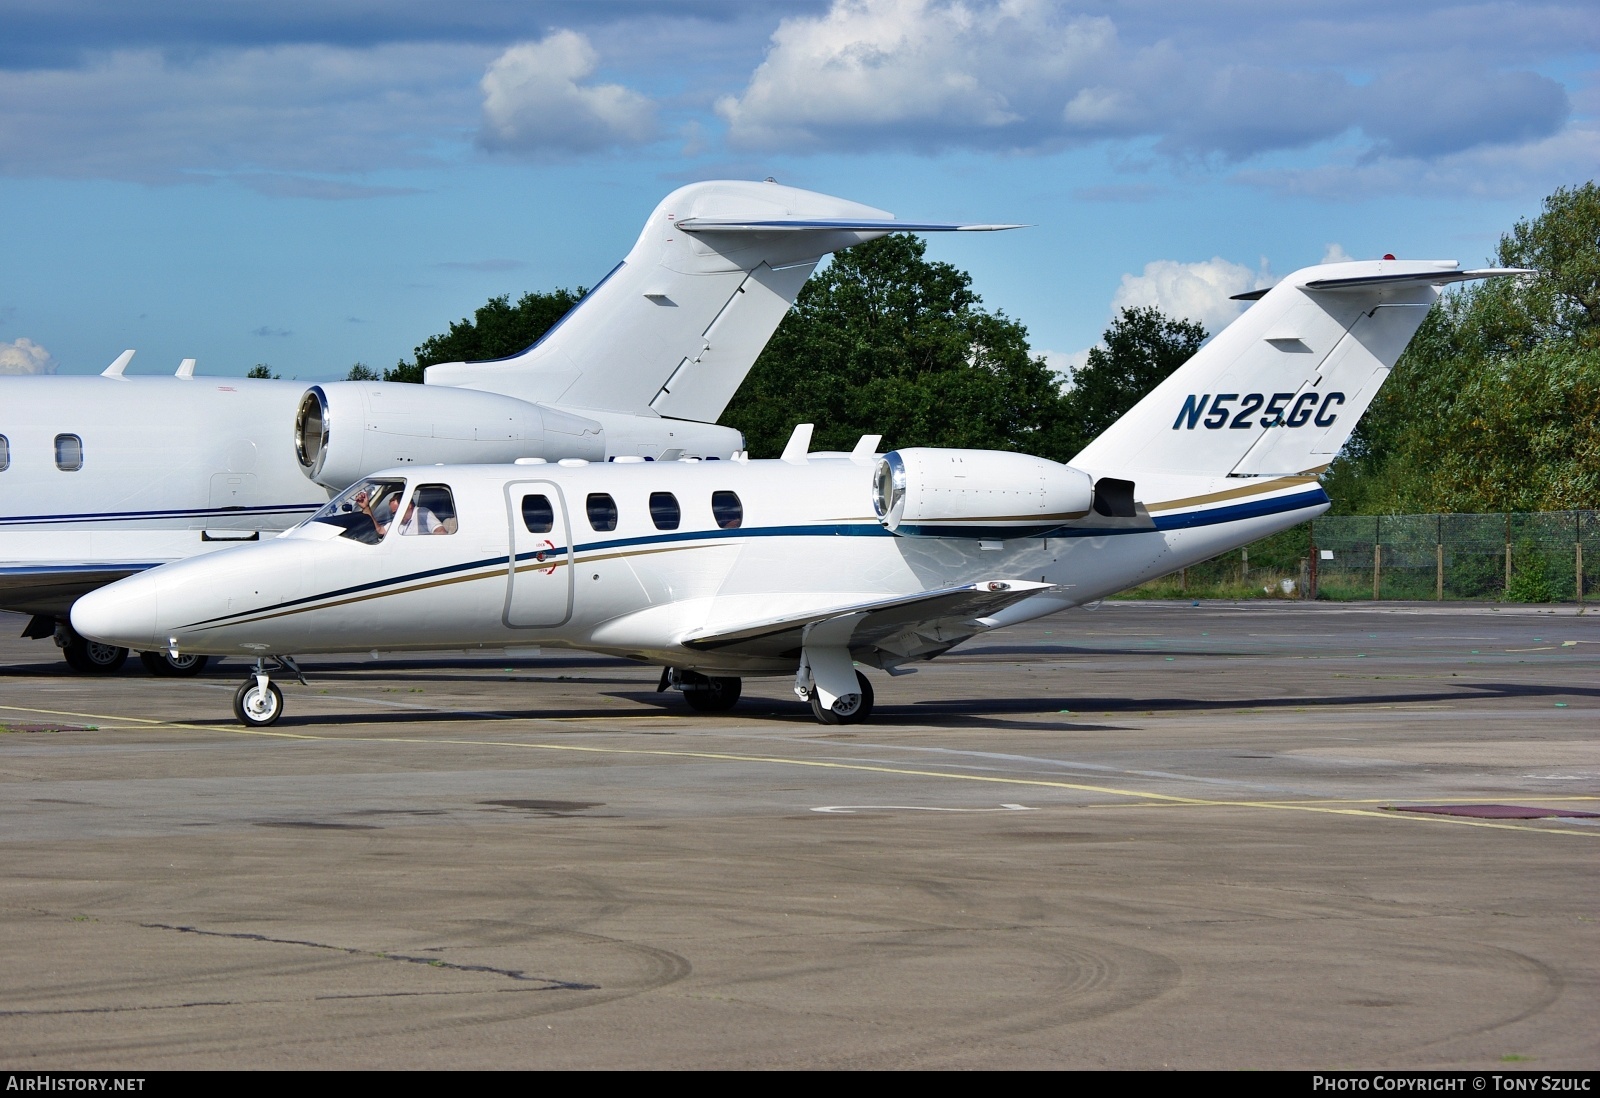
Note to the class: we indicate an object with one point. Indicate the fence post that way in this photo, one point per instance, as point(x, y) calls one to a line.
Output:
point(1377, 557)
point(1577, 553)
point(1311, 584)
point(1438, 572)
point(1244, 564)
point(1508, 554)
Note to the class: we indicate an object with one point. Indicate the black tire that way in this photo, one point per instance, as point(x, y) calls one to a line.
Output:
point(851, 708)
point(92, 657)
point(163, 665)
point(256, 709)
point(716, 696)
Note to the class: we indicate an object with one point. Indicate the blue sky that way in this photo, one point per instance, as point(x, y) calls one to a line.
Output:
point(311, 184)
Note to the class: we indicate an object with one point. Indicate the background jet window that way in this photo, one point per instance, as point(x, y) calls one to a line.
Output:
point(432, 510)
point(664, 510)
point(5, 453)
point(602, 511)
point(728, 510)
point(69, 453)
point(537, 514)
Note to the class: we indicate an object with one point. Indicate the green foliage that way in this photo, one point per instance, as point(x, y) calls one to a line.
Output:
point(885, 342)
point(1530, 575)
point(361, 372)
point(498, 329)
point(1495, 406)
point(1136, 354)
point(263, 371)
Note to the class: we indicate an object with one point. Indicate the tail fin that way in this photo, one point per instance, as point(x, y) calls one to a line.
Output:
point(675, 328)
point(1280, 389)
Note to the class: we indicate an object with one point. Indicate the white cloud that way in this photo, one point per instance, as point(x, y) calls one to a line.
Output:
point(533, 101)
point(1494, 171)
point(1191, 291)
point(926, 73)
point(24, 356)
point(1035, 74)
point(1336, 254)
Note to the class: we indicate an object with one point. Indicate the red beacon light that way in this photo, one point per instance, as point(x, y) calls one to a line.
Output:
point(1386, 255)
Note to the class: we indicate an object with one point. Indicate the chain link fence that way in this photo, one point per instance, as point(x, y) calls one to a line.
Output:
point(1551, 556)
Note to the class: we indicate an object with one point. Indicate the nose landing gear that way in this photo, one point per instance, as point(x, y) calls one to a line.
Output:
point(259, 702)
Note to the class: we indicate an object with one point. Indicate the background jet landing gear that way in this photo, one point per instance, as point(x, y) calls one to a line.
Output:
point(259, 702)
point(703, 693)
point(847, 708)
point(167, 665)
point(89, 656)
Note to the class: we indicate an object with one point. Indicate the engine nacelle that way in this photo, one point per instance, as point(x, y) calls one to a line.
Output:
point(347, 429)
point(928, 492)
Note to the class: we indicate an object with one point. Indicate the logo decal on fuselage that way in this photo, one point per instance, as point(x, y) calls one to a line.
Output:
point(1277, 410)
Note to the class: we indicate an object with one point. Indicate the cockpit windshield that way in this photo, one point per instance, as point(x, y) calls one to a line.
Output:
point(363, 511)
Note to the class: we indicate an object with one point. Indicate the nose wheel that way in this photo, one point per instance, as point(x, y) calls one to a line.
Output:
point(259, 702)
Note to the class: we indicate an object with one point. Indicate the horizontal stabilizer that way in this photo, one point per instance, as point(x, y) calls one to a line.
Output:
point(860, 224)
point(1434, 278)
point(934, 618)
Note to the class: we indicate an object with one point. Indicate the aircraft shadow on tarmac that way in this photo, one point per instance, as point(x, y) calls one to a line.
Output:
point(1000, 713)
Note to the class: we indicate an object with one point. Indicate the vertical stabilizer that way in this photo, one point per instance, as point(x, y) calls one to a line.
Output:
point(674, 329)
point(1280, 389)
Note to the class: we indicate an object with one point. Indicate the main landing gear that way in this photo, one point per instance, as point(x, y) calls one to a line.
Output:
point(94, 658)
point(259, 702)
point(703, 693)
point(168, 666)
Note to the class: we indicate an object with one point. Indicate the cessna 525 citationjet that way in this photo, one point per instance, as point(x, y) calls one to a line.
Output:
point(102, 477)
point(810, 564)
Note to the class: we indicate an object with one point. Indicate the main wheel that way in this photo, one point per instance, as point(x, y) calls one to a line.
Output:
point(256, 707)
point(93, 657)
point(715, 696)
point(165, 665)
point(847, 708)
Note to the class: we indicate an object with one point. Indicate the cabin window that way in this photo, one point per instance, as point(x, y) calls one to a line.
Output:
point(69, 453)
point(664, 510)
point(727, 509)
point(537, 514)
point(5, 453)
point(602, 511)
point(364, 511)
point(432, 510)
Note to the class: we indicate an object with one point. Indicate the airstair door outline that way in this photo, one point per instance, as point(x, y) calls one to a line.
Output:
point(539, 573)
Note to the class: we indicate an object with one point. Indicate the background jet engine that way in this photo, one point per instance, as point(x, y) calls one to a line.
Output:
point(928, 492)
point(346, 429)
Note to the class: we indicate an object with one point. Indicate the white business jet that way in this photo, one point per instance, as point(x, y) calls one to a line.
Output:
point(102, 477)
point(807, 565)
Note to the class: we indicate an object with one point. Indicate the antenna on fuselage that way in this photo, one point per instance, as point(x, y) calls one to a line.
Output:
point(799, 444)
point(121, 364)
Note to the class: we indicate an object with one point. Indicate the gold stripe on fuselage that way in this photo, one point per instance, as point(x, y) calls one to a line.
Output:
point(1232, 493)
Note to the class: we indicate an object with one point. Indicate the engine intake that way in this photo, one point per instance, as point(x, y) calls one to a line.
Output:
point(929, 492)
point(346, 429)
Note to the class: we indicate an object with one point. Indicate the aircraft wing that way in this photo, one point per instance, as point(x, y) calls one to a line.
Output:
point(907, 626)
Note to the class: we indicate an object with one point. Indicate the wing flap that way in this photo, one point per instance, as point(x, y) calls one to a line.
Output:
point(947, 616)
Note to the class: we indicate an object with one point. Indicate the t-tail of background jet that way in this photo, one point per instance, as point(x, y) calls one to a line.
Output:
point(1279, 390)
point(643, 365)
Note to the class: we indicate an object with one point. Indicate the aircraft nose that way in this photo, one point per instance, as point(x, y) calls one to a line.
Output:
point(121, 613)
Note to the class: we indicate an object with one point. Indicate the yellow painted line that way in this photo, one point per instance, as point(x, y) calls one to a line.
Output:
point(1153, 799)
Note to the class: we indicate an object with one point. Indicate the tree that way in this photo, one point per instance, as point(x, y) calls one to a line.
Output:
point(498, 329)
point(885, 342)
point(361, 372)
point(1495, 405)
point(1142, 346)
point(263, 371)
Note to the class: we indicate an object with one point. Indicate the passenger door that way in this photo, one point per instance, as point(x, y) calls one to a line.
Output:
point(539, 577)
